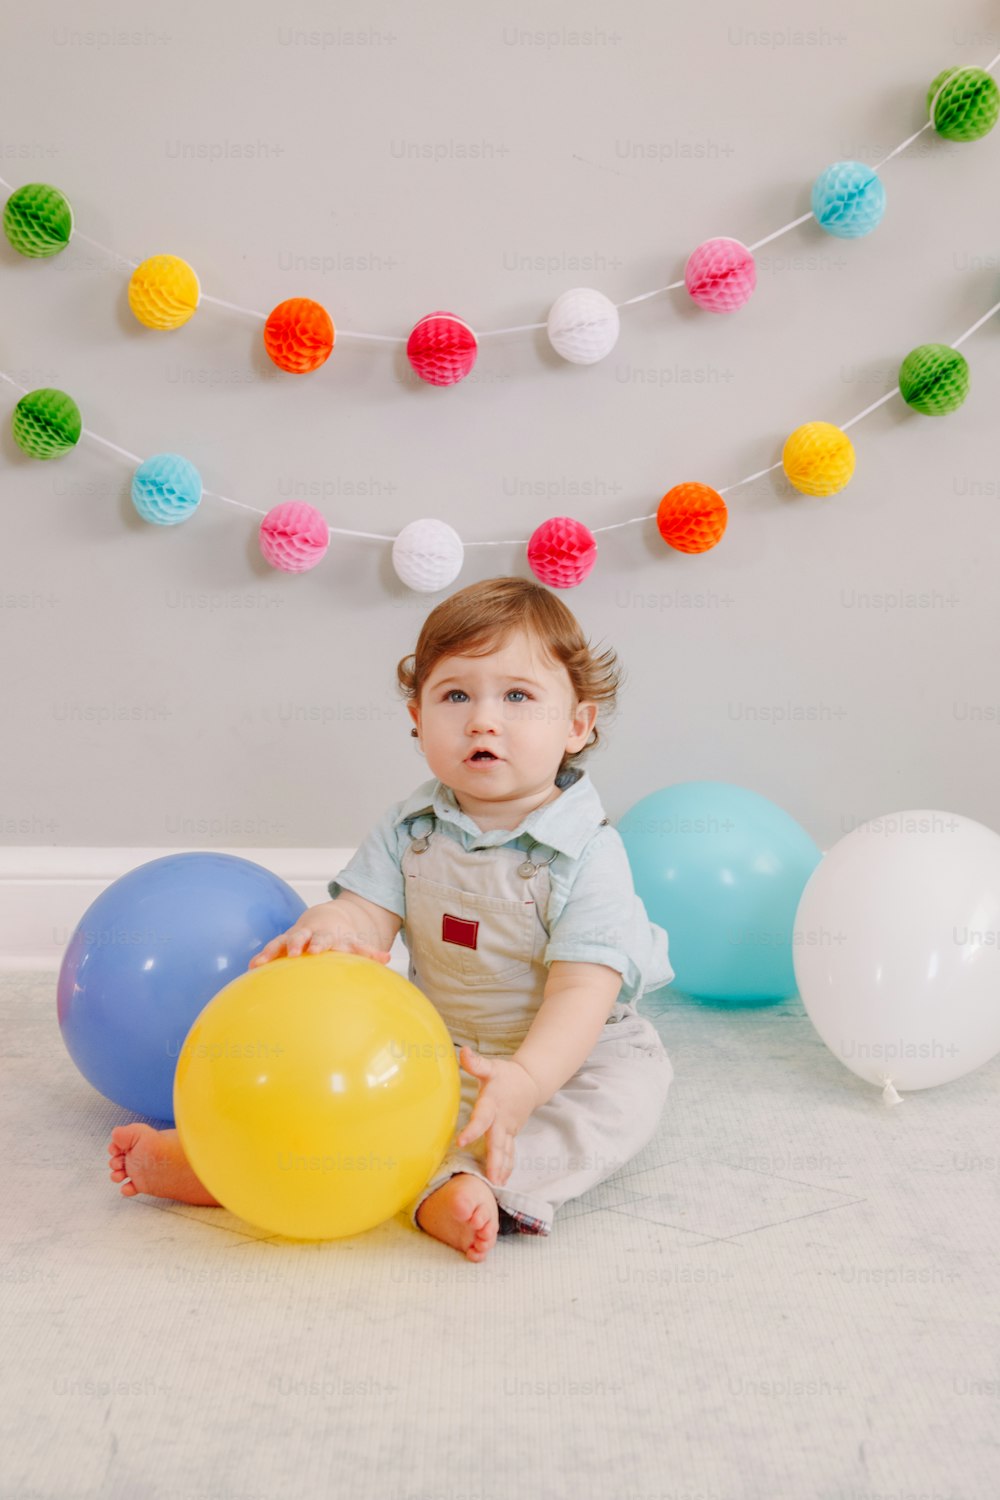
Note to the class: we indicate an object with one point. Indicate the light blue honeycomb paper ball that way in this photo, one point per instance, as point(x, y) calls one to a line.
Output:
point(166, 489)
point(848, 199)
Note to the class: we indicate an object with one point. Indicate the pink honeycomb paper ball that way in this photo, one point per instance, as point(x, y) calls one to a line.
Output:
point(561, 552)
point(294, 536)
point(720, 275)
point(442, 349)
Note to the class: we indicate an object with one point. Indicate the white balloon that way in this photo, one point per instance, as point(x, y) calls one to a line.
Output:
point(896, 948)
point(428, 555)
point(583, 325)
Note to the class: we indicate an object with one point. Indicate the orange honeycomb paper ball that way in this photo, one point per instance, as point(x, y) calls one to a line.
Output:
point(299, 335)
point(692, 517)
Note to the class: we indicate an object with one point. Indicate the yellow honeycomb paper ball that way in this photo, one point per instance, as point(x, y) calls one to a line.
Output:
point(163, 291)
point(818, 458)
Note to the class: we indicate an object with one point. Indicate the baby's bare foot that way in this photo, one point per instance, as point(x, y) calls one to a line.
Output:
point(463, 1212)
point(154, 1160)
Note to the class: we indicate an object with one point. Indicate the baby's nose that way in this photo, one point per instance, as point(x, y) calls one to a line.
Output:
point(483, 719)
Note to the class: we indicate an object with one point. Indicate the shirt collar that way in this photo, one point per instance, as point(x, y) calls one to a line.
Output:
point(565, 824)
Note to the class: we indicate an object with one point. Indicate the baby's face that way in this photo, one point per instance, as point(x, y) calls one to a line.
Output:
point(497, 726)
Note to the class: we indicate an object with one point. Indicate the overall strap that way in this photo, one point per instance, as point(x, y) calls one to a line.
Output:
point(420, 840)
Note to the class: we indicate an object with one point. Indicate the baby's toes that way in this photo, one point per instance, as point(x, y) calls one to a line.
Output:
point(116, 1155)
point(124, 1139)
point(484, 1228)
point(116, 1166)
point(481, 1245)
point(479, 1217)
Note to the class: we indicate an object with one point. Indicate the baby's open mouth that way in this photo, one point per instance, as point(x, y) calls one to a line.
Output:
point(482, 755)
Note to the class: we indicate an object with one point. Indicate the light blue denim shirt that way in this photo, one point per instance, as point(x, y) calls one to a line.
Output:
point(594, 915)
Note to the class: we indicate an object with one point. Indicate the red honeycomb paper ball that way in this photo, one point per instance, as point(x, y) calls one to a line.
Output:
point(299, 335)
point(691, 517)
point(442, 349)
point(561, 552)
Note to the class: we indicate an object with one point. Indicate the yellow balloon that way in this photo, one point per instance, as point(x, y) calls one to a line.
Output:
point(818, 458)
point(164, 291)
point(315, 1096)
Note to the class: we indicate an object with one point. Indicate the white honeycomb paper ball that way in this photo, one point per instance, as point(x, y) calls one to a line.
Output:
point(583, 325)
point(428, 555)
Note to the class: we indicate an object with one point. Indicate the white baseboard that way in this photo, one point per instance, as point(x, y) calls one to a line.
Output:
point(44, 891)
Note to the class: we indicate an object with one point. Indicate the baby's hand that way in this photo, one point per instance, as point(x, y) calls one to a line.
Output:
point(317, 940)
point(507, 1096)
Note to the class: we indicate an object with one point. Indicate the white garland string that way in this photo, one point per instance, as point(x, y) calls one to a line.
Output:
point(378, 536)
point(387, 338)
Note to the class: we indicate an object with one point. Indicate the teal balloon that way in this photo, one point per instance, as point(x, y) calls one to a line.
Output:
point(722, 869)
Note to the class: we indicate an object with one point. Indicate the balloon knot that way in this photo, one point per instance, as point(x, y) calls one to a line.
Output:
point(889, 1095)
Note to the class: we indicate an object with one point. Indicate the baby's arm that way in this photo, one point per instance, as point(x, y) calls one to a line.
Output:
point(579, 998)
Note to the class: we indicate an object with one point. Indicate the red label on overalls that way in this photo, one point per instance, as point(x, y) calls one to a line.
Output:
point(459, 930)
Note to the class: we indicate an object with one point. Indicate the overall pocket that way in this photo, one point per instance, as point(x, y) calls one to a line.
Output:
point(488, 942)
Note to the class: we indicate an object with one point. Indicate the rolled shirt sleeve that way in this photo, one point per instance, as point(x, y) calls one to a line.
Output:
point(374, 870)
point(604, 921)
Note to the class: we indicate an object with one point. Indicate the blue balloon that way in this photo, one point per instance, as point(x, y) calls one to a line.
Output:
point(147, 957)
point(723, 870)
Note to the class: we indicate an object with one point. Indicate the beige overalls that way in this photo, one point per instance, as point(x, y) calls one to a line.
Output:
point(476, 933)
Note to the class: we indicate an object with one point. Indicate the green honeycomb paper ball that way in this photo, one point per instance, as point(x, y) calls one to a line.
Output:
point(934, 379)
point(38, 220)
point(46, 423)
point(968, 104)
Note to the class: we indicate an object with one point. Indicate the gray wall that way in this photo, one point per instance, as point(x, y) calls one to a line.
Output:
point(165, 687)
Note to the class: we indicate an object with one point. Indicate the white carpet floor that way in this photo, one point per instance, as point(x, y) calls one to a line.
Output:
point(793, 1292)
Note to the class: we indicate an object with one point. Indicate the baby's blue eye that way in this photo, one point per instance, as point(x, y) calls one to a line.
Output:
point(451, 694)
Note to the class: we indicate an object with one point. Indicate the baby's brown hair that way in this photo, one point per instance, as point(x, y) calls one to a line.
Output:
point(479, 618)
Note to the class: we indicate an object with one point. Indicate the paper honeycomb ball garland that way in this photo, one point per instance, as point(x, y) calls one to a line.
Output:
point(583, 325)
point(720, 275)
point(428, 555)
point(38, 220)
point(691, 517)
point(818, 458)
point(163, 292)
point(561, 552)
point(934, 379)
point(442, 349)
point(968, 103)
point(166, 489)
point(294, 536)
point(848, 199)
point(46, 423)
point(299, 335)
